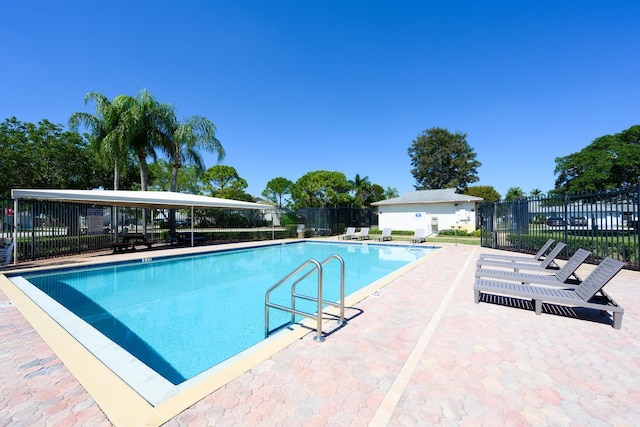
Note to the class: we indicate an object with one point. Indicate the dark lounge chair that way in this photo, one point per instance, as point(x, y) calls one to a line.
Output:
point(560, 277)
point(549, 261)
point(517, 258)
point(589, 294)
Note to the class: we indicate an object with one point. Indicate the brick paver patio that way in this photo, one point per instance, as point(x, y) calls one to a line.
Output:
point(417, 352)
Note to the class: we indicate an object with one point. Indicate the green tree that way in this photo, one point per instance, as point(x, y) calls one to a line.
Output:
point(441, 159)
point(390, 193)
point(609, 162)
point(321, 189)
point(377, 193)
point(487, 192)
point(536, 192)
point(223, 181)
point(187, 139)
point(161, 175)
point(45, 156)
point(514, 193)
point(148, 125)
point(277, 189)
point(106, 129)
point(362, 189)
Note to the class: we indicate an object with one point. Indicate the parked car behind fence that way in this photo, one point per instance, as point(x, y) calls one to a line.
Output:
point(579, 221)
point(556, 222)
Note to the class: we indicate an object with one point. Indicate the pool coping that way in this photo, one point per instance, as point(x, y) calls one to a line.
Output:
point(121, 403)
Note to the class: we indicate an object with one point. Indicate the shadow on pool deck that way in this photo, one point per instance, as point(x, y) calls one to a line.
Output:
point(420, 351)
point(580, 313)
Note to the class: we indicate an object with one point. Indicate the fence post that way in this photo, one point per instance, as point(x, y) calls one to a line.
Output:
point(494, 226)
point(565, 209)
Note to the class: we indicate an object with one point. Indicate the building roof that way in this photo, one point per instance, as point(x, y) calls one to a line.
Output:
point(142, 199)
point(446, 195)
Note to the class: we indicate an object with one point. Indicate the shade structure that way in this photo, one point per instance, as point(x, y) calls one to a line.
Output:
point(136, 199)
point(141, 199)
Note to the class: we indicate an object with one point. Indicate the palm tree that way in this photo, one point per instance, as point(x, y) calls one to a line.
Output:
point(148, 125)
point(362, 188)
point(536, 192)
point(107, 131)
point(188, 137)
point(390, 192)
point(514, 193)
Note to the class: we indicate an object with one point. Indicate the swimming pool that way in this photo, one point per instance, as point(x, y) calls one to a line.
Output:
point(180, 316)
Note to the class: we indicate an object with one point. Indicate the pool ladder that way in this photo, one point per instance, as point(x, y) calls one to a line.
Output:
point(317, 266)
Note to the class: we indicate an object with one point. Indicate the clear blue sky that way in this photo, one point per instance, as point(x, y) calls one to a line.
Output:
point(301, 85)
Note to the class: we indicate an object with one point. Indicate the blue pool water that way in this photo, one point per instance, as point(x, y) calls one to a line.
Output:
point(183, 315)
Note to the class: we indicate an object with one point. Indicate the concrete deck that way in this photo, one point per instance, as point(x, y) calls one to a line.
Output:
point(418, 351)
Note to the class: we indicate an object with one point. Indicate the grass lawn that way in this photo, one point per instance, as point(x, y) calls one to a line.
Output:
point(439, 239)
point(452, 239)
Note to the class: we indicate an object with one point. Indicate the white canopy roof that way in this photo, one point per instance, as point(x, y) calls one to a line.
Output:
point(142, 199)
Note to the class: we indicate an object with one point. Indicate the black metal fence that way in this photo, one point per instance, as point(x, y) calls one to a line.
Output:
point(47, 229)
point(604, 223)
point(333, 221)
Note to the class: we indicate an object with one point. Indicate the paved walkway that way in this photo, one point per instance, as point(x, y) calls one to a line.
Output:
point(417, 352)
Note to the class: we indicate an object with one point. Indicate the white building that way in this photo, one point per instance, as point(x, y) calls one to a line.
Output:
point(432, 210)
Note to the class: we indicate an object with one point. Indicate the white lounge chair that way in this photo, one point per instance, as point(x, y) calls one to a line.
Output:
point(419, 236)
point(351, 231)
point(386, 235)
point(364, 234)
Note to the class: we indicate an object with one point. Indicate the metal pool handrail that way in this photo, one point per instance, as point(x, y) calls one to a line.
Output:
point(318, 316)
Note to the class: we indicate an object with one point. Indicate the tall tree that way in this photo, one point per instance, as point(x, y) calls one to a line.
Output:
point(277, 189)
point(321, 189)
point(377, 193)
point(148, 125)
point(609, 162)
point(514, 193)
point(187, 139)
point(161, 174)
point(44, 156)
point(536, 192)
point(223, 181)
point(442, 159)
point(391, 192)
point(106, 130)
point(362, 190)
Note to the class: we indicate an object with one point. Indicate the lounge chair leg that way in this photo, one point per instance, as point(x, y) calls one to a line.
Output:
point(538, 306)
point(617, 320)
point(476, 296)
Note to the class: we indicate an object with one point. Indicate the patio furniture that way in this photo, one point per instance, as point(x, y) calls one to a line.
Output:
point(419, 236)
point(386, 235)
point(537, 257)
point(548, 261)
point(130, 240)
point(185, 238)
point(589, 294)
point(363, 234)
point(351, 231)
point(560, 278)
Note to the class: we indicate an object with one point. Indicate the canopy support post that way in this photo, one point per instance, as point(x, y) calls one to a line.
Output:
point(15, 232)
